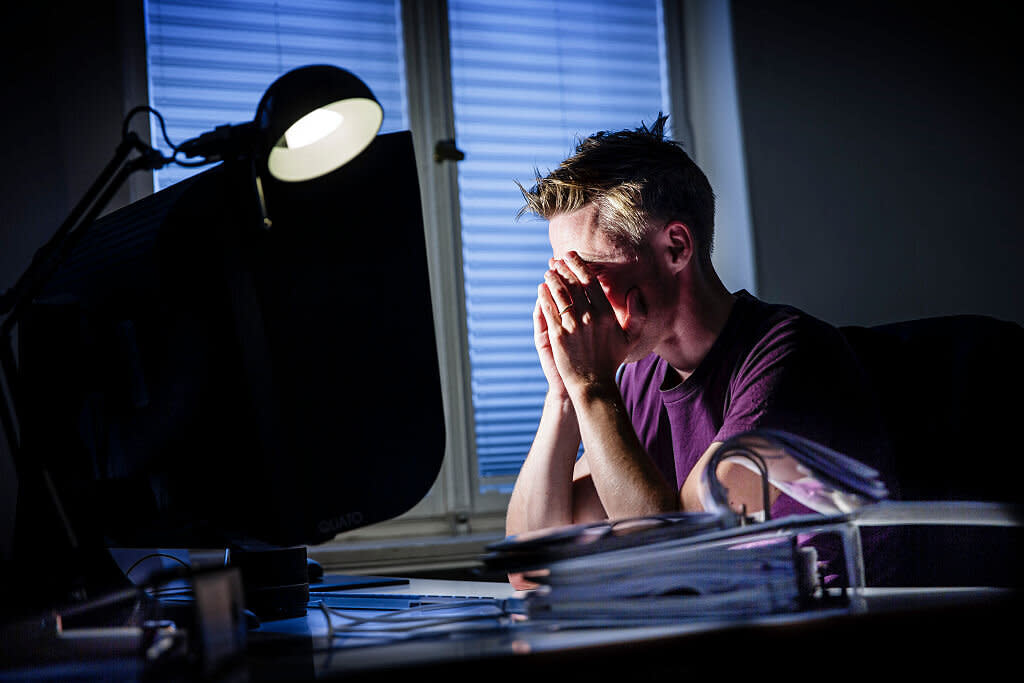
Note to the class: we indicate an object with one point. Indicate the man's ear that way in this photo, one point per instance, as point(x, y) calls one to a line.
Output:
point(677, 245)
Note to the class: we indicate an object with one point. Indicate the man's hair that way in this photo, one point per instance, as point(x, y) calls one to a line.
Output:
point(632, 176)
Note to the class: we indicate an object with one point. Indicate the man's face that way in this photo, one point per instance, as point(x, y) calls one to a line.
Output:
point(619, 269)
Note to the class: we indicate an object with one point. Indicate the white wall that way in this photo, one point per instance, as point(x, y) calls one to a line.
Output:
point(713, 107)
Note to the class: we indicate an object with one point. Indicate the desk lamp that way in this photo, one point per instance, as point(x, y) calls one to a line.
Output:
point(309, 122)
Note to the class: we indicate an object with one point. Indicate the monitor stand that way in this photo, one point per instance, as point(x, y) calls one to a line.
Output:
point(275, 581)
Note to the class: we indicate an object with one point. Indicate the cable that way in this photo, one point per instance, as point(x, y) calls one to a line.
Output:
point(409, 620)
point(188, 164)
point(327, 618)
point(401, 630)
point(175, 149)
point(152, 555)
point(159, 117)
point(105, 600)
point(402, 614)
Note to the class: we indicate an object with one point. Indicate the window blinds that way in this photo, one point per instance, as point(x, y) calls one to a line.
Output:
point(210, 61)
point(529, 78)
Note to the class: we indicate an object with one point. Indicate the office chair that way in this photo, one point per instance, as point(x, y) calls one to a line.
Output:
point(950, 390)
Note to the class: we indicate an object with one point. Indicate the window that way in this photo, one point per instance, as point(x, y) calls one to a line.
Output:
point(210, 61)
point(528, 79)
point(517, 84)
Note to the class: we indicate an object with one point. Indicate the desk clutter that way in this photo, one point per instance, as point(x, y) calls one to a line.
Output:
point(724, 564)
point(710, 565)
point(670, 567)
point(679, 572)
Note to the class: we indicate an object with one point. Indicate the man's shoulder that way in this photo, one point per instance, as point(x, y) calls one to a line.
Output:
point(754, 309)
point(781, 342)
point(765, 322)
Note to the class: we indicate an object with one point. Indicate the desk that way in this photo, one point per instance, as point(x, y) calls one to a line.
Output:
point(904, 631)
point(910, 630)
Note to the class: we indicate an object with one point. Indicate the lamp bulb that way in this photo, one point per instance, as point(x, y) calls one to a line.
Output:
point(312, 127)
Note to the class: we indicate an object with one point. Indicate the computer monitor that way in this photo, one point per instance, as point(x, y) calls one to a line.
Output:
point(192, 379)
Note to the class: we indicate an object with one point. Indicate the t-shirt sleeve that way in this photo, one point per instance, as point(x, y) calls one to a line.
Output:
point(800, 377)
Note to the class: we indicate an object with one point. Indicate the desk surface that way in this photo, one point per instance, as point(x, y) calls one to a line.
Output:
point(911, 631)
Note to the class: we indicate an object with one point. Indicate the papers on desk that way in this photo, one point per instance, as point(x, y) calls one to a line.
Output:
point(716, 564)
point(714, 573)
point(669, 582)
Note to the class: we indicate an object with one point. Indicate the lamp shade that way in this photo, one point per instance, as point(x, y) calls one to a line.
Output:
point(316, 118)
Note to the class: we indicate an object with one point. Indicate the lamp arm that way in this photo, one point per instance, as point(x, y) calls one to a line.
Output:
point(223, 143)
point(42, 263)
point(49, 257)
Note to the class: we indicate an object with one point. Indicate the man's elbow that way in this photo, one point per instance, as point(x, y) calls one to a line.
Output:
point(520, 582)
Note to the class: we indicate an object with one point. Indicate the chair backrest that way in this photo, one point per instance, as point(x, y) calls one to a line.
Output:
point(950, 391)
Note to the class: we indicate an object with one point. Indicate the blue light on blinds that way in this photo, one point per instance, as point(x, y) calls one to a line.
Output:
point(529, 78)
point(210, 61)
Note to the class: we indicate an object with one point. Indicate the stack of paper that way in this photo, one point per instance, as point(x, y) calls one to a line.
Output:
point(716, 564)
point(669, 582)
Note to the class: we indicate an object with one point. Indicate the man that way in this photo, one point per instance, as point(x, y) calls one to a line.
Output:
point(631, 222)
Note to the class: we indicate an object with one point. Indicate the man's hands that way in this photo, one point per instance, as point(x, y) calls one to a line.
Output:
point(580, 340)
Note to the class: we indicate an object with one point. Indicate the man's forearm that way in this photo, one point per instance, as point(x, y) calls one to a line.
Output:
point(627, 481)
point(542, 496)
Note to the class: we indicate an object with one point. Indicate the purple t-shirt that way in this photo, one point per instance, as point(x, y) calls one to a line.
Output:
point(772, 366)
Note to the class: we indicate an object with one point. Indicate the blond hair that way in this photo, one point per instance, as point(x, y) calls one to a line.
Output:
point(636, 178)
